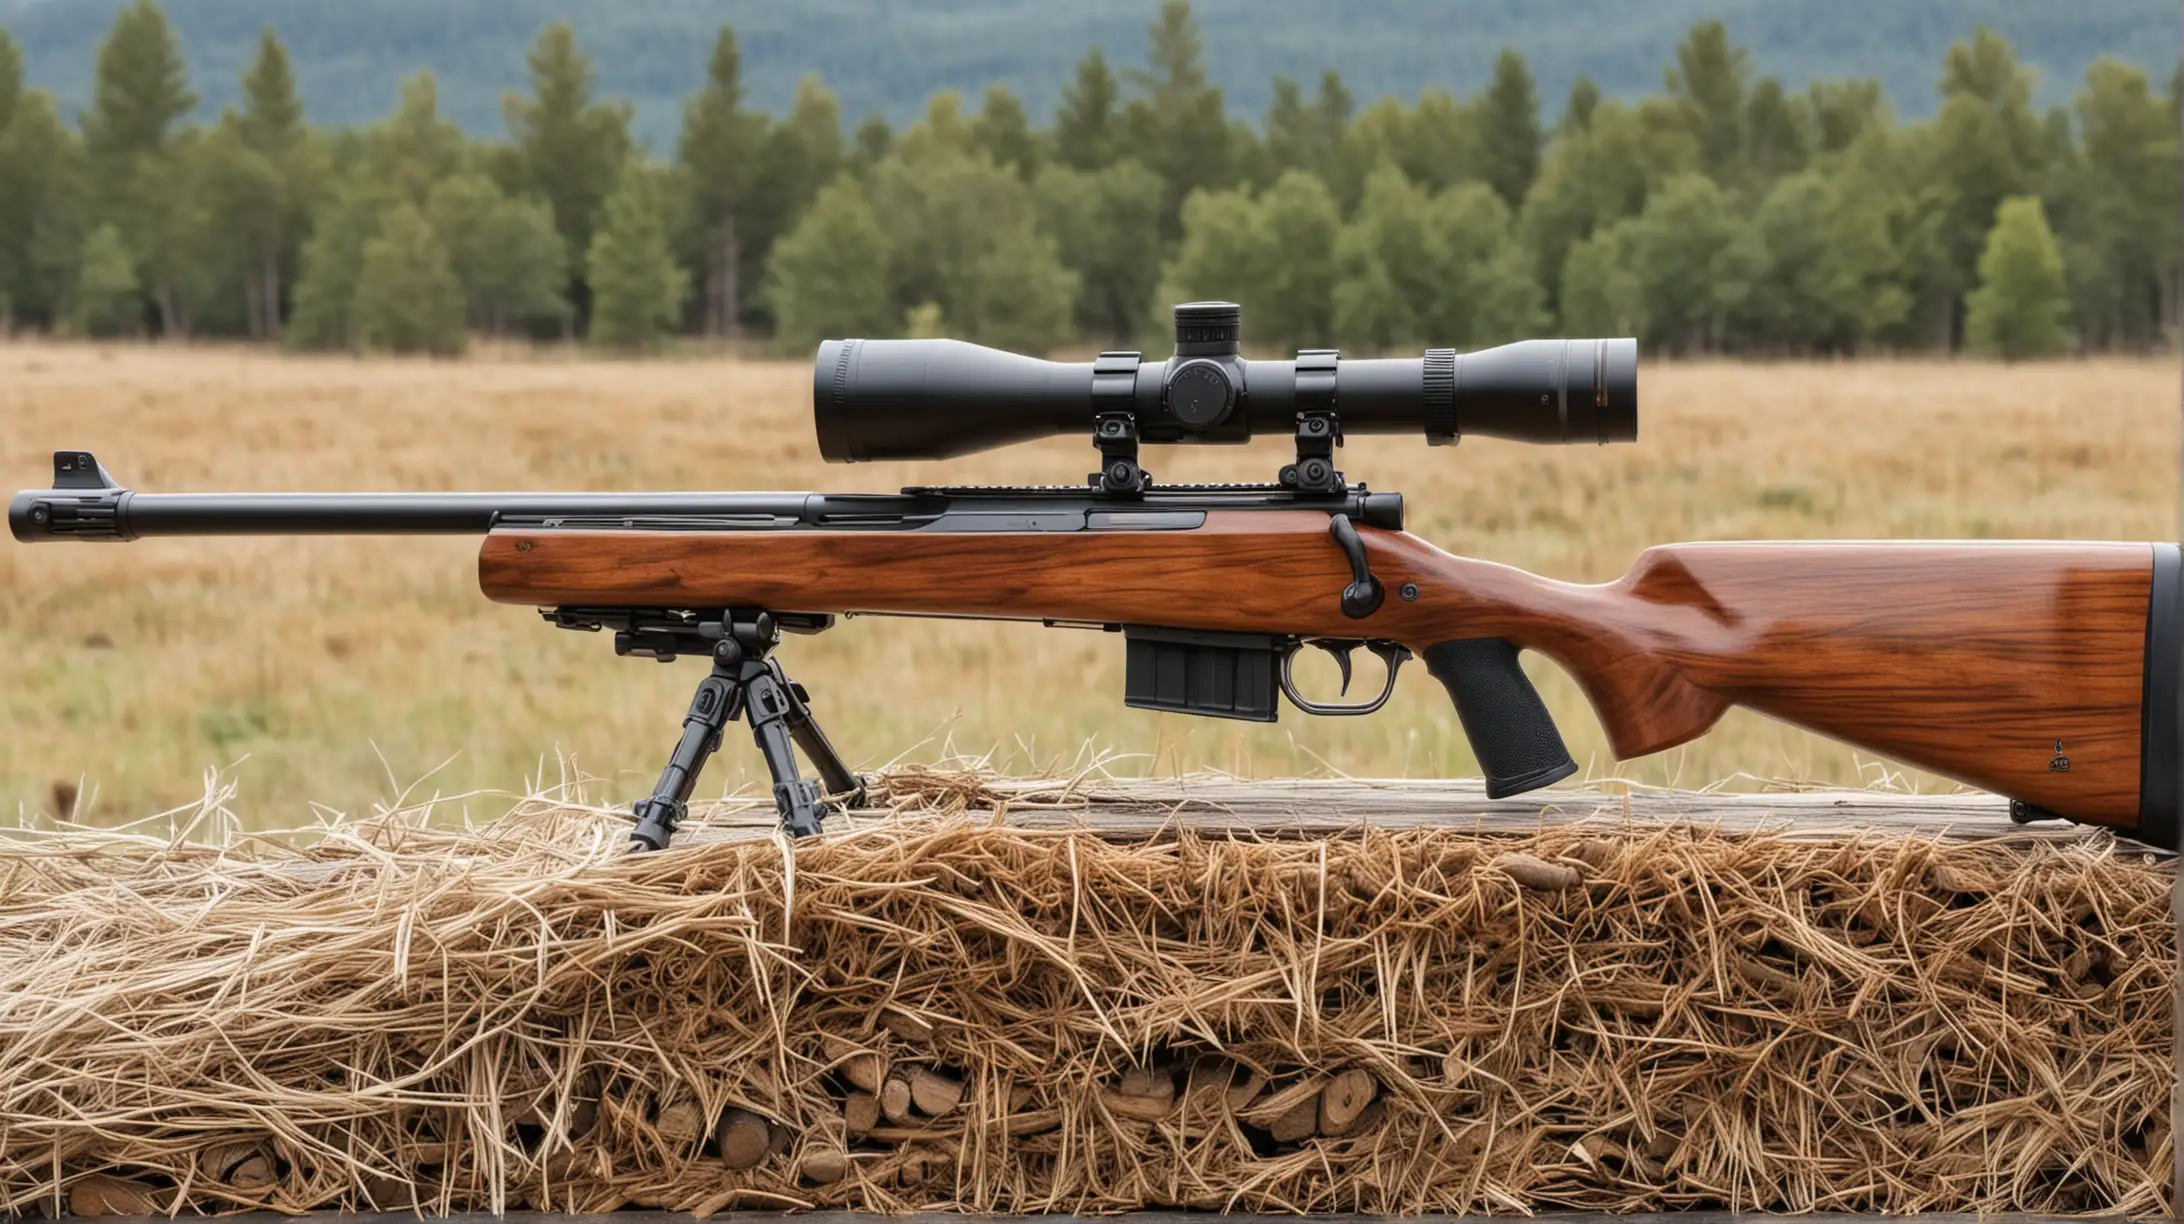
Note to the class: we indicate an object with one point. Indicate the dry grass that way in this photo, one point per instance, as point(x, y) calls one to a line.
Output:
point(1634, 1018)
point(347, 669)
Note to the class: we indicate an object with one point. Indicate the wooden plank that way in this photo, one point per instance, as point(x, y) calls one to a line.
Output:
point(1140, 807)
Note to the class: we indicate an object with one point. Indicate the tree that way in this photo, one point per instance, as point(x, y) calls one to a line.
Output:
point(1509, 135)
point(271, 127)
point(872, 141)
point(1774, 133)
point(821, 283)
point(2119, 227)
point(1578, 109)
point(1443, 269)
point(1274, 256)
point(1106, 226)
point(1600, 294)
point(1177, 123)
point(1003, 130)
point(407, 297)
point(2019, 308)
point(415, 148)
point(1831, 279)
point(333, 260)
point(1707, 86)
point(1595, 176)
point(718, 153)
point(1984, 147)
point(1843, 111)
point(799, 155)
point(246, 191)
point(637, 290)
point(1303, 135)
point(11, 79)
point(1085, 136)
point(504, 252)
point(1694, 260)
point(142, 87)
point(106, 286)
point(570, 149)
point(949, 209)
point(272, 113)
point(43, 211)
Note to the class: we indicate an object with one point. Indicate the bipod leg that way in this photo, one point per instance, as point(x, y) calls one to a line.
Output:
point(719, 698)
point(843, 785)
point(770, 706)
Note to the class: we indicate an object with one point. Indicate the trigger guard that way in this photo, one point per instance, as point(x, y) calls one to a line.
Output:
point(1391, 653)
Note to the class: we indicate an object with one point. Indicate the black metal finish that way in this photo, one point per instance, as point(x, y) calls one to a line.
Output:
point(1209, 673)
point(109, 512)
point(936, 399)
point(2160, 720)
point(1364, 595)
point(747, 684)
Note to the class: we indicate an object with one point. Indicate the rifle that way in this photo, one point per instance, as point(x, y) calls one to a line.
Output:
point(2043, 671)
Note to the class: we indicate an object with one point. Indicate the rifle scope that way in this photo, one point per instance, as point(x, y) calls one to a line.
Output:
point(936, 399)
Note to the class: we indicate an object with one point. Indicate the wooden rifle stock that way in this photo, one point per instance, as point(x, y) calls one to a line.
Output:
point(2041, 671)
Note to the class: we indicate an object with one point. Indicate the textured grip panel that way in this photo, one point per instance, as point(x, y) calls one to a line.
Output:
point(1509, 728)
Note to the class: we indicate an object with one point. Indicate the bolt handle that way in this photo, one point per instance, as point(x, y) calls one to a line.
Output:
point(1362, 597)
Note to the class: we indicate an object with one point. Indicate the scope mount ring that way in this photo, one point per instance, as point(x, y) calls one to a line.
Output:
point(1394, 654)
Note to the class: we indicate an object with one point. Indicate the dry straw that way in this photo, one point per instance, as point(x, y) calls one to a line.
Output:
point(933, 1011)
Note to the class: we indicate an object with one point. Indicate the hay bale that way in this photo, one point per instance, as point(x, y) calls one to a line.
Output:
point(1632, 1019)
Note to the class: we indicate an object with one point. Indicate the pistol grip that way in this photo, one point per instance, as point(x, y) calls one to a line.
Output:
point(1508, 725)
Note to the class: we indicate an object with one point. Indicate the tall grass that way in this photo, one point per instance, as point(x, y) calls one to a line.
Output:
point(347, 670)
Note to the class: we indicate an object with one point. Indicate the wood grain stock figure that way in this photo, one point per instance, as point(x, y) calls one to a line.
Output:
point(2016, 667)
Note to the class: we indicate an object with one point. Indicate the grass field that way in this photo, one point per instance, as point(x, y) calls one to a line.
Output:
point(348, 671)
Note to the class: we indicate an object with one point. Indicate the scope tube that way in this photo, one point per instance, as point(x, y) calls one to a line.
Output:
point(937, 399)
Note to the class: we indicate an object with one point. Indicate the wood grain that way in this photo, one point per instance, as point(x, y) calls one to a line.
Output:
point(1973, 660)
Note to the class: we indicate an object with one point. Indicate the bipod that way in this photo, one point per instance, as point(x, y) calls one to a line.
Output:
point(746, 683)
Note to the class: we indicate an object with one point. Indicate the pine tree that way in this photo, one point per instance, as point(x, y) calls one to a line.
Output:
point(272, 113)
point(407, 297)
point(1085, 122)
point(637, 290)
point(823, 280)
point(2019, 308)
point(718, 154)
point(2119, 229)
point(415, 148)
point(801, 154)
point(142, 86)
point(1577, 111)
point(1707, 85)
point(571, 149)
point(1509, 134)
point(1177, 123)
point(244, 189)
point(106, 286)
point(1984, 147)
point(1774, 133)
point(1003, 130)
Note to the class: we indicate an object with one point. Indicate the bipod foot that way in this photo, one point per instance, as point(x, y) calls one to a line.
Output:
point(745, 683)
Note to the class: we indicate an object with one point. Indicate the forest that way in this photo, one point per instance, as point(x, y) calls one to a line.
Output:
point(1724, 213)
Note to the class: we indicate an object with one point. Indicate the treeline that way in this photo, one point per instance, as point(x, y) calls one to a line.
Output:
point(1724, 214)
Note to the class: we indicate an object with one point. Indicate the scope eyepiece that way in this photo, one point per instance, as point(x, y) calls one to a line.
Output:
point(936, 399)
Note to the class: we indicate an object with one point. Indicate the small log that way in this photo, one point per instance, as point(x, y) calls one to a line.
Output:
point(236, 1164)
point(1152, 1084)
point(1538, 874)
point(745, 1139)
point(100, 1195)
point(680, 1122)
point(1036, 1122)
point(860, 1066)
point(933, 1092)
point(1244, 1092)
point(1020, 1095)
point(895, 1099)
point(1344, 1099)
point(906, 1024)
point(1136, 1108)
point(823, 1165)
point(860, 1112)
point(1297, 1123)
point(1367, 1120)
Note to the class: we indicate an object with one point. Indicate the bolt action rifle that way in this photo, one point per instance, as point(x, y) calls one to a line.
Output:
point(2046, 672)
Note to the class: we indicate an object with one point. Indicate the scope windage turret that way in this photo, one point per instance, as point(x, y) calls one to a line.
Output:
point(935, 399)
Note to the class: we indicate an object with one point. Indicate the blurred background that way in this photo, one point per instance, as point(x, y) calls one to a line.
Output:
point(1896, 271)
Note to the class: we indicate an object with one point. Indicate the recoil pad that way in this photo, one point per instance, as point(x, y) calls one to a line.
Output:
point(1510, 731)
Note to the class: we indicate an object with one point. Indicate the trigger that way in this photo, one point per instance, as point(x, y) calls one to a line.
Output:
point(1341, 651)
